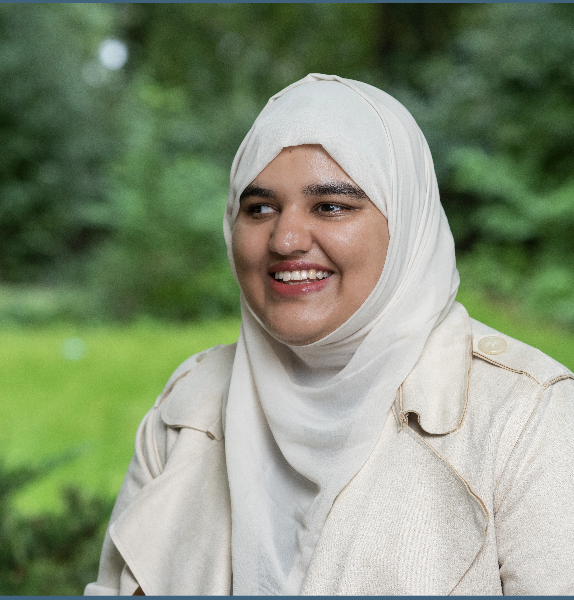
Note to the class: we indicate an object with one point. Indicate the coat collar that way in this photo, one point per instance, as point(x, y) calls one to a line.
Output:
point(182, 406)
point(436, 390)
point(175, 535)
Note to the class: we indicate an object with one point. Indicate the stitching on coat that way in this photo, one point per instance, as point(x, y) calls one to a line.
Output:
point(170, 388)
point(497, 503)
point(467, 390)
point(160, 463)
point(549, 382)
point(412, 432)
point(492, 362)
point(545, 388)
point(397, 418)
point(559, 378)
point(453, 468)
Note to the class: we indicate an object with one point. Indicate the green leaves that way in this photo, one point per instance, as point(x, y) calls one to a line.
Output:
point(51, 554)
point(114, 181)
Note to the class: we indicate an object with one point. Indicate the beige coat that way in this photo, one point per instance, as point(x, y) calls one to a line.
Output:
point(469, 490)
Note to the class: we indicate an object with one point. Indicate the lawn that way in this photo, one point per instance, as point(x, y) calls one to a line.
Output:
point(66, 386)
point(87, 388)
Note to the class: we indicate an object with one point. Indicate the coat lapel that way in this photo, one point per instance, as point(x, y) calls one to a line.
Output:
point(175, 536)
point(408, 523)
point(436, 390)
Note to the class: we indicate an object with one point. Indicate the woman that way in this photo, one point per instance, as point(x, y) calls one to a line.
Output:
point(364, 435)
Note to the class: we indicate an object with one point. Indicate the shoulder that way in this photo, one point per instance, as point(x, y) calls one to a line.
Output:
point(513, 385)
point(219, 361)
point(193, 394)
point(513, 356)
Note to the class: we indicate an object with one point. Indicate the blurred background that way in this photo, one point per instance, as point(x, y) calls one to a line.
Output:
point(118, 125)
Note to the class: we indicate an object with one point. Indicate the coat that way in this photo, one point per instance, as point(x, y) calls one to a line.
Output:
point(469, 489)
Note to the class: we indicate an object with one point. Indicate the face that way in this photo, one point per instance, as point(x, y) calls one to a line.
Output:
point(309, 246)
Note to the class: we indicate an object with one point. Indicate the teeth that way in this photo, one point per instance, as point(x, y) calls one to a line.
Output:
point(312, 274)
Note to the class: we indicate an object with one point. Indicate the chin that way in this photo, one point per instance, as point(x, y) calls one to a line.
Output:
point(302, 337)
point(296, 326)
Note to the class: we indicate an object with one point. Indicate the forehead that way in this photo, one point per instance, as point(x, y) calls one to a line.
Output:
point(305, 163)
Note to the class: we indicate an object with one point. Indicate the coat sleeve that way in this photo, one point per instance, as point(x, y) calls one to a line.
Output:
point(114, 577)
point(534, 518)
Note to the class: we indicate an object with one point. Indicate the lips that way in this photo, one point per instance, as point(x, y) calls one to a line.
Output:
point(296, 278)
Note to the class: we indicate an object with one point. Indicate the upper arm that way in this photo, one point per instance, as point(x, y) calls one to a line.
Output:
point(534, 518)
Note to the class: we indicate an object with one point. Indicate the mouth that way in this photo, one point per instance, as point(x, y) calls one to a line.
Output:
point(298, 279)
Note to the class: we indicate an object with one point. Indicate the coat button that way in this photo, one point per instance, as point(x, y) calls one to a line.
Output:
point(492, 344)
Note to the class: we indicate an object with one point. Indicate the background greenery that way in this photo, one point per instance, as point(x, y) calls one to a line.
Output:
point(112, 185)
point(112, 181)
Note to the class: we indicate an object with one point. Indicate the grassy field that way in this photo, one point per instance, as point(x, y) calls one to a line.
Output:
point(88, 388)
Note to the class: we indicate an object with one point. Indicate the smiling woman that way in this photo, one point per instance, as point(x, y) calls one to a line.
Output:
point(364, 435)
point(309, 245)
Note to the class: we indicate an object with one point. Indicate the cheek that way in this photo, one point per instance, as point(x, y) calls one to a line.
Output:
point(249, 250)
point(360, 251)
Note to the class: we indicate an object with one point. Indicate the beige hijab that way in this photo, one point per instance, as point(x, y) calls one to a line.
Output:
point(301, 421)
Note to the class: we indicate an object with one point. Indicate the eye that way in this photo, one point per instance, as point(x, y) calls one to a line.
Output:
point(330, 207)
point(260, 209)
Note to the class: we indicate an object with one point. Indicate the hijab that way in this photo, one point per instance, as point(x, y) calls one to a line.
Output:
point(300, 421)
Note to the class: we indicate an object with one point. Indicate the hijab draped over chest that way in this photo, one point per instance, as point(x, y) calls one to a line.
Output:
point(300, 421)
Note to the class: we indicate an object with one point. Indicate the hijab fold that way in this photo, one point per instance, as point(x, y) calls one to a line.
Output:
point(300, 421)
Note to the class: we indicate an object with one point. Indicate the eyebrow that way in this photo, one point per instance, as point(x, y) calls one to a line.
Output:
point(255, 190)
point(333, 188)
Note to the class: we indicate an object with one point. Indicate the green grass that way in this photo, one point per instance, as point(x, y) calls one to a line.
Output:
point(49, 403)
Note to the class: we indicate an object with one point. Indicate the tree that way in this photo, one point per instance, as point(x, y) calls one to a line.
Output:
point(55, 133)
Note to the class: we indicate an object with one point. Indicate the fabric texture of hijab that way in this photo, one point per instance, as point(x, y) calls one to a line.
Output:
point(300, 422)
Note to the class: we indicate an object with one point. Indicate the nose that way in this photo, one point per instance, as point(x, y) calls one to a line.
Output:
point(291, 233)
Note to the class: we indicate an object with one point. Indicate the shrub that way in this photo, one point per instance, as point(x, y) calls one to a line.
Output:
point(50, 554)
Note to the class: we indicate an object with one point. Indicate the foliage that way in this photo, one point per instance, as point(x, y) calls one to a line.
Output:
point(498, 113)
point(113, 182)
point(55, 134)
point(166, 255)
point(50, 554)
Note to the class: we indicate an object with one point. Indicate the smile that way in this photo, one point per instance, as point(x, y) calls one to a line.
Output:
point(299, 277)
point(299, 282)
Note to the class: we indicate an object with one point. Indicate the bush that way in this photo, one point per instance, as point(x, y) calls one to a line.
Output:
point(50, 554)
point(166, 257)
